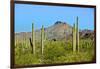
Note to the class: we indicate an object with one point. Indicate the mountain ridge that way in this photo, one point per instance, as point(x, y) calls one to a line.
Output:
point(58, 31)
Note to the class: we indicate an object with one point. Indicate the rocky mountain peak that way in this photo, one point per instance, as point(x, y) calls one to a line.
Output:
point(59, 22)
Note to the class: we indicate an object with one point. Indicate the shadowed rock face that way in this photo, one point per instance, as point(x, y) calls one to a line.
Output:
point(87, 34)
point(58, 31)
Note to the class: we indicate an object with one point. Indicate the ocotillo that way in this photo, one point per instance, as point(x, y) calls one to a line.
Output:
point(33, 38)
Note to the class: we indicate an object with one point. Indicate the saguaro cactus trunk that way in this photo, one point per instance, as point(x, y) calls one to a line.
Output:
point(24, 42)
point(33, 38)
point(74, 38)
point(42, 39)
point(77, 34)
point(45, 35)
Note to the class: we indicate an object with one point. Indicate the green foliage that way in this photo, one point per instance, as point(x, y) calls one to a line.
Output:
point(54, 52)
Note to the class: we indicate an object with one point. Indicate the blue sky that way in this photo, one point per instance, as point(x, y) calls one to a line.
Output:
point(26, 14)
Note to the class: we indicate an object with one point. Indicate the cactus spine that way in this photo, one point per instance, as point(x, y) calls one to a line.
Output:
point(42, 39)
point(33, 38)
point(77, 34)
point(74, 38)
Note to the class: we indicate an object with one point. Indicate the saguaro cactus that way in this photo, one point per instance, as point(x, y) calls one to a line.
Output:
point(42, 39)
point(77, 34)
point(74, 38)
point(45, 35)
point(33, 38)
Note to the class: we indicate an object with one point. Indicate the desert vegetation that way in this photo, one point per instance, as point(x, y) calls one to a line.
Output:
point(50, 51)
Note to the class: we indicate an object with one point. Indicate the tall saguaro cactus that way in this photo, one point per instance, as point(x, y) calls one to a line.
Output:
point(77, 34)
point(33, 38)
point(42, 39)
point(45, 35)
point(74, 38)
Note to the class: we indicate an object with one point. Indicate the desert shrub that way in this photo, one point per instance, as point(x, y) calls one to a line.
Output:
point(54, 52)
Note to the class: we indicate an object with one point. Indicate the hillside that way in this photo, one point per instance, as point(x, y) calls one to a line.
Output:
point(58, 31)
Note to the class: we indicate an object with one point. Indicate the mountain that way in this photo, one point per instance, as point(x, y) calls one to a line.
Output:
point(58, 31)
point(87, 34)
